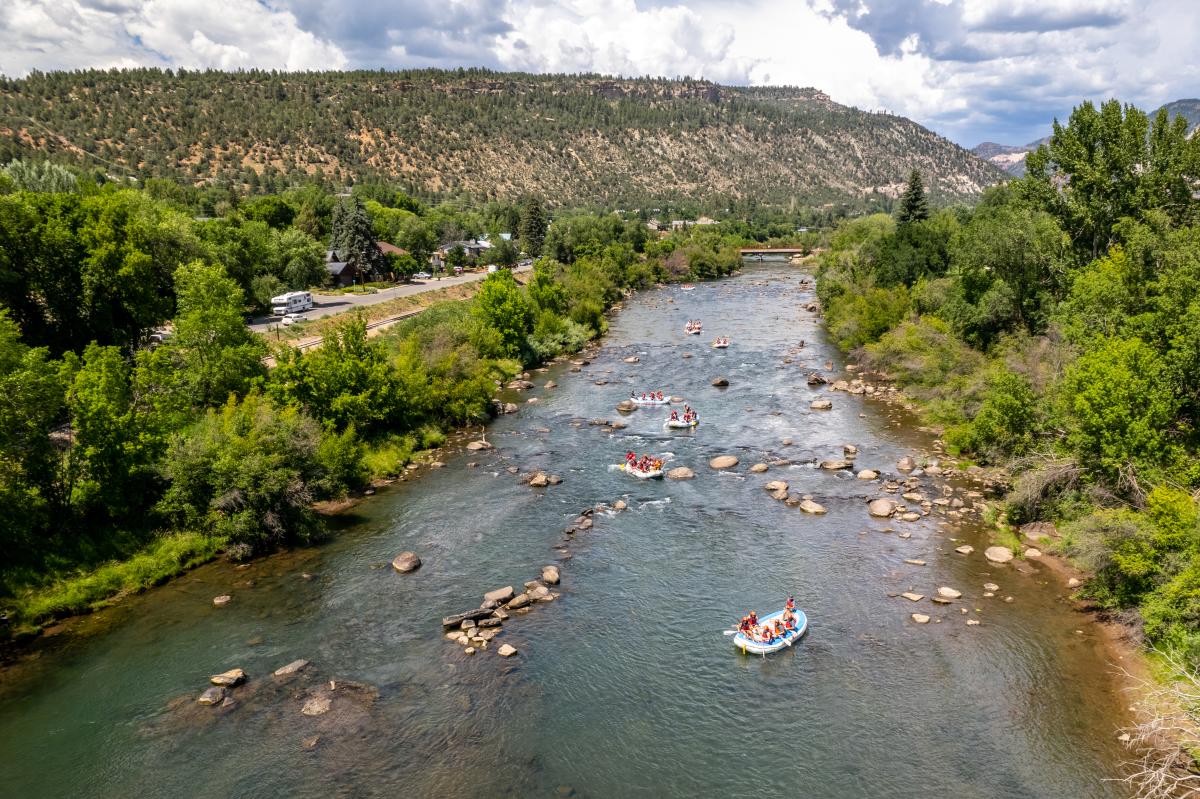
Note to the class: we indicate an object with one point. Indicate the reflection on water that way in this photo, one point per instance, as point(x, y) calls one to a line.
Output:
point(625, 685)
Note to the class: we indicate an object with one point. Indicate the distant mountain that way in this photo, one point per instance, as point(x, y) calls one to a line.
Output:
point(1189, 110)
point(1011, 158)
point(576, 139)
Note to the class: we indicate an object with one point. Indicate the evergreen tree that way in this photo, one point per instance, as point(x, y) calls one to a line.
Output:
point(914, 205)
point(532, 231)
point(354, 238)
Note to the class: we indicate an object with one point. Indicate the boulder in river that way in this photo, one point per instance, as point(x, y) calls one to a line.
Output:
point(406, 562)
point(720, 382)
point(815, 379)
point(965, 549)
point(998, 554)
point(506, 650)
point(835, 465)
point(478, 445)
point(550, 575)
point(620, 504)
point(681, 473)
point(470, 615)
point(222, 600)
point(228, 679)
point(626, 406)
point(551, 384)
point(519, 601)
point(849, 450)
point(949, 593)
point(920, 618)
point(881, 508)
point(776, 485)
point(633, 359)
point(868, 474)
point(539, 480)
point(759, 468)
point(906, 464)
point(815, 508)
point(500, 595)
point(821, 404)
point(212, 696)
point(723, 462)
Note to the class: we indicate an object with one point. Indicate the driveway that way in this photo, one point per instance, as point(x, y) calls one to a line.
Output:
point(330, 304)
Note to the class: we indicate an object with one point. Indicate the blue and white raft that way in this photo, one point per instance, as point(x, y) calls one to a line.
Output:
point(751, 647)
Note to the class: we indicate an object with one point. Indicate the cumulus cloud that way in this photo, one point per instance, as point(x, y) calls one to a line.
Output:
point(225, 34)
point(971, 69)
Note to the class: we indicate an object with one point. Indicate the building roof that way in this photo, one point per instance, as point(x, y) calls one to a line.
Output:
point(386, 248)
point(338, 268)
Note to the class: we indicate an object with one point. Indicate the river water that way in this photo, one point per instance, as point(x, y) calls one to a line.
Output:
point(624, 686)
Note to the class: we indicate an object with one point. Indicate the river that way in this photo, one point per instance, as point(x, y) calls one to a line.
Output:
point(624, 686)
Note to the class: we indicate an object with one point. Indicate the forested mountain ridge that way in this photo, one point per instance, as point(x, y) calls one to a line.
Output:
point(575, 139)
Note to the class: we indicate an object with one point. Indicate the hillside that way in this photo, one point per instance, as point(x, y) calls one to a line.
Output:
point(1011, 158)
point(575, 139)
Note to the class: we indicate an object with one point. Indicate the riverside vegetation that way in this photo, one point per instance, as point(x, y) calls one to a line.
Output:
point(122, 463)
point(1054, 329)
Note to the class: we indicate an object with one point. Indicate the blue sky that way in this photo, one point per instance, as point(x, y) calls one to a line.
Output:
point(972, 70)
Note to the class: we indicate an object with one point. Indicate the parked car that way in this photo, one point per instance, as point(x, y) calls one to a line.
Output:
point(422, 276)
point(458, 270)
point(292, 318)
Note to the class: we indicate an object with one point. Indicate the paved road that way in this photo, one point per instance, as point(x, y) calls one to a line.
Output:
point(330, 304)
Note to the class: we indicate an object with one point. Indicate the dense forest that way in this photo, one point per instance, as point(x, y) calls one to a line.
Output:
point(126, 457)
point(1055, 329)
point(575, 139)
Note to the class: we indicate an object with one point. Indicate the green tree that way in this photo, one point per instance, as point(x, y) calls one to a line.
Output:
point(211, 344)
point(505, 253)
point(1119, 409)
point(272, 210)
point(532, 231)
point(914, 205)
point(353, 237)
point(501, 306)
point(40, 176)
point(247, 472)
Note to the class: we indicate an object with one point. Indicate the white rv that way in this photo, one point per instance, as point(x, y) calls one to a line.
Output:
point(292, 302)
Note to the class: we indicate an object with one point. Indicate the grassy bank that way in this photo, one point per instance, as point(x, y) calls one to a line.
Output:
point(89, 590)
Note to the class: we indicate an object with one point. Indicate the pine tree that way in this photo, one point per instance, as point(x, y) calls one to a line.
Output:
point(532, 230)
point(914, 205)
point(354, 239)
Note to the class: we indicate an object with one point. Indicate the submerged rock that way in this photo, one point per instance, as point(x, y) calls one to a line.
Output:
point(316, 706)
point(222, 600)
point(291, 668)
point(906, 464)
point(212, 696)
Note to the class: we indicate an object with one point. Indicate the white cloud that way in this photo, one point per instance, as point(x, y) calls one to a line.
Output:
point(968, 68)
point(226, 34)
point(616, 37)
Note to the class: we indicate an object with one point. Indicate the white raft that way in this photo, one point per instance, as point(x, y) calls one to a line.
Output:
point(679, 424)
point(639, 474)
point(750, 647)
point(666, 400)
point(720, 346)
